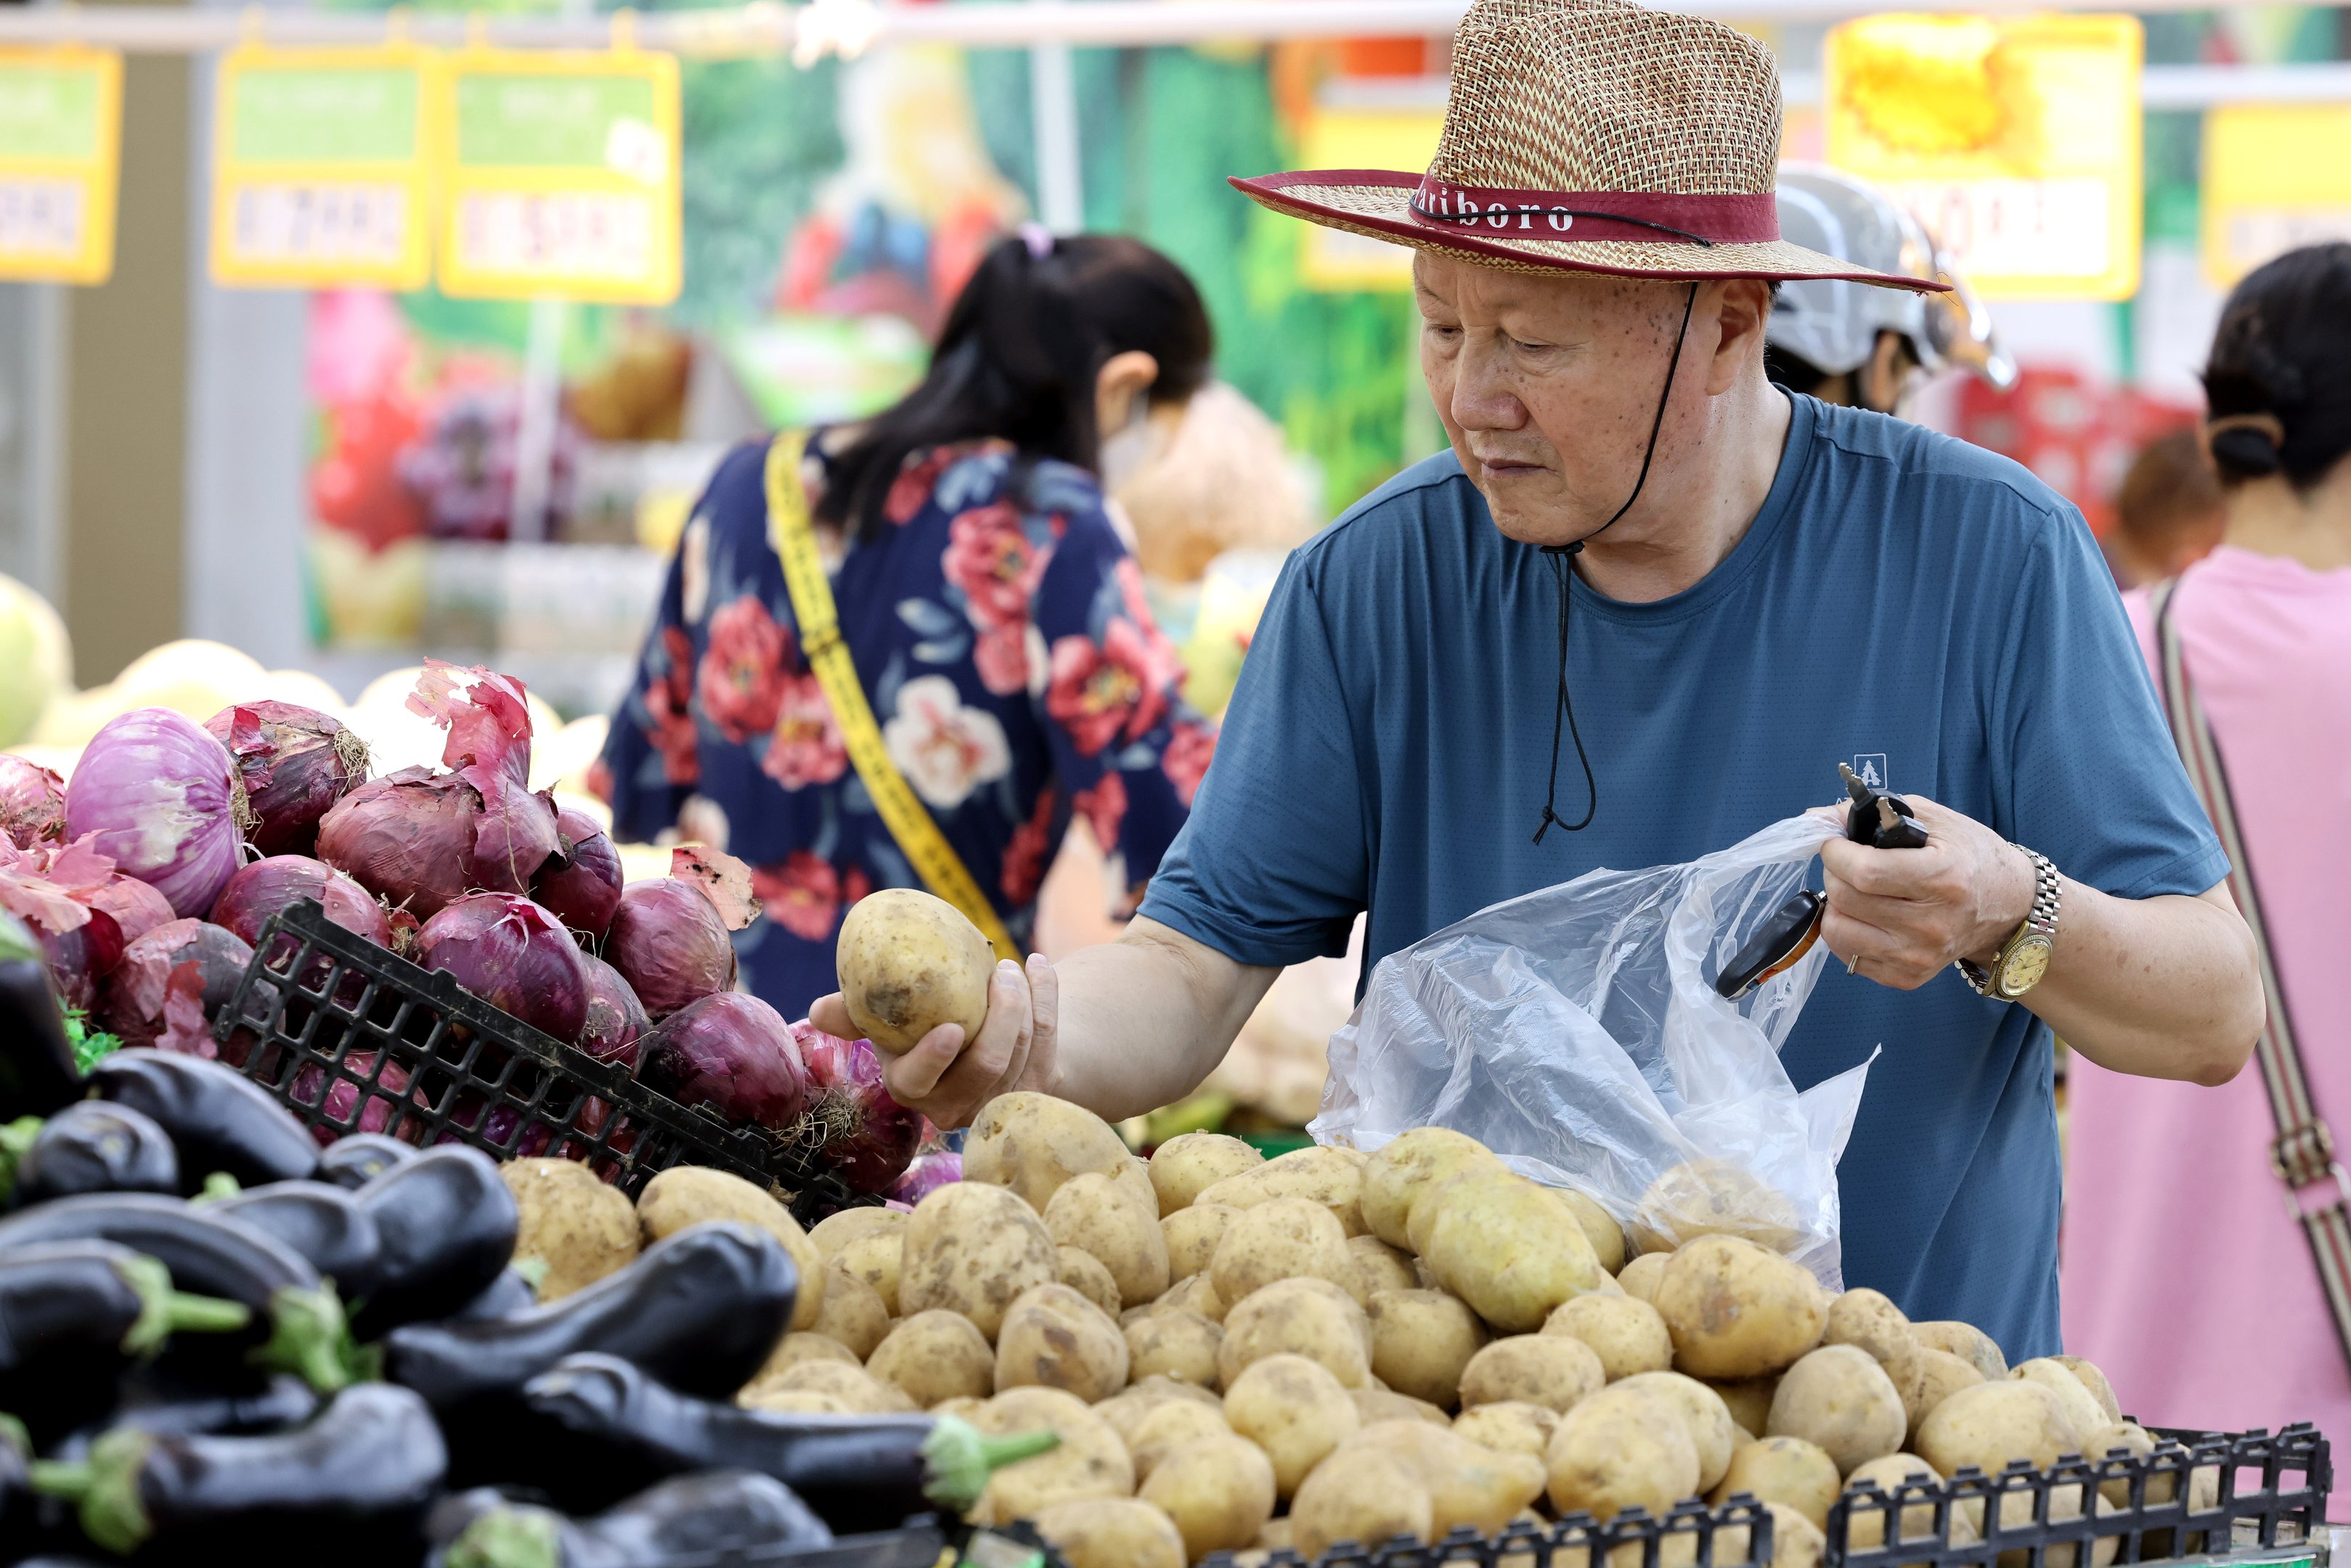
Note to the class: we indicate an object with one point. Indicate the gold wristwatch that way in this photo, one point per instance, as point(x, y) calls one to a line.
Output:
point(2023, 959)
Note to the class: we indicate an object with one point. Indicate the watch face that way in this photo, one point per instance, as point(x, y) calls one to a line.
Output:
point(2024, 966)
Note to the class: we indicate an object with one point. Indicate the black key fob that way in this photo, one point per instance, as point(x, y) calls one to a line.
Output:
point(1787, 936)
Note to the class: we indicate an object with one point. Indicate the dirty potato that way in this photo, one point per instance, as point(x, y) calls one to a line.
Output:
point(1126, 1411)
point(935, 1356)
point(1191, 1235)
point(1313, 1317)
point(1219, 1493)
point(1509, 1249)
point(1967, 1342)
point(1282, 1239)
point(1293, 1409)
point(1621, 1448)
point(1508, 1426)
point(1112, 1532)
point(1090, 1462)
point(1400, 1171)
point(1553, 1371)
point(1084, 1272)
point(570, 1221)
point(1052, 1337)
point(1383, 1268)
point(852, 1312)
point(972, 1248)
point(1702, 1411)
point(876, 1258)
point(1840, 1397)
point(1181, 1345)
point(1033, 1143)
point(1088, 1212)
point(1638, 1278)
point(1421, 1340)
point(909, 962)
point(1626, 1333)
point(1187, 1164)
point(1787, 1471)
point(1737, 1311)
point(1170, 1427)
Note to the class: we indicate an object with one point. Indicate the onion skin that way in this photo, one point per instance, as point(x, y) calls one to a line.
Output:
point(581, 881)
point(160, 795)
point(134, 995)
point(268, 886)
point(732, 1053)
point(868, 1138)
point(416, 839)
point(137, 908)
point(513, 954)
point(32, 802)
point(616, 1020)
point(294, 762)
point(668, 942)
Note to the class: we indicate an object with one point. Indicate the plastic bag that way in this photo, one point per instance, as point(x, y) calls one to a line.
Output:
point(1576, 1032)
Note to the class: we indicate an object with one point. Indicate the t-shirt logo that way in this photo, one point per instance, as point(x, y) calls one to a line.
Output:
point(1869, 766)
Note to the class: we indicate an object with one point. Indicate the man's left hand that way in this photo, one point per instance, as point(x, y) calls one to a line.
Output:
point(1901, 916)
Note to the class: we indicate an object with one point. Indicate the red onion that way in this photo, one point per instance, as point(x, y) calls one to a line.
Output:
point(407, 836)
point(928, 1174)
point(616, 1020)
point(581, 880)
point(135, 993)
point(669, 942)
point(513, 954)
point(732, 1053)
point(293, 762)
point(185, 1029)
point(417, 838)
point(268, 886)
point(163, 799)
point(862, 1132)
point(82, 956)
point(343, 1097)
point(32, 802)
point(136, 907)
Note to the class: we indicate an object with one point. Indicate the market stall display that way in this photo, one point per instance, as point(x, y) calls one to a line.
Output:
point(597, 1024)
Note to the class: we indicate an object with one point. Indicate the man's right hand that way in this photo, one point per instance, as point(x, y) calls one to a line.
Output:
point(948, 1079)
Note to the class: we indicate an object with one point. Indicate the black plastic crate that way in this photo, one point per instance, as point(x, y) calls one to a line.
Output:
point(1690, 1535)
point(2270, 1499)
point(2269, 1493)
point(350, 1036)
point(921, 1543)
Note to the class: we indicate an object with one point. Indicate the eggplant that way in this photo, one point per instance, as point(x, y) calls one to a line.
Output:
point(156, 1407)
point(37, 1072)
point(221, 1119)
point(212, 1256)
point(92, 1146)
point(356, 1159)
point(354, 1484)
point(508, 1293)
point(722, 1513)
point(71, 1313)
point(699, 1309)
point(325, 1224)
point(446, 1223)
point(861, 1473)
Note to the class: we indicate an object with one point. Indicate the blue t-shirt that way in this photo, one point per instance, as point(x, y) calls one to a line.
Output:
point(1909, 605)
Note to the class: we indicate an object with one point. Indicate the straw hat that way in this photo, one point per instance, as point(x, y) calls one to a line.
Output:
point(1593, 136)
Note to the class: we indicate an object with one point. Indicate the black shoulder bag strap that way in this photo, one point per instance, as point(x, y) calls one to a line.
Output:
point(2302, 1154)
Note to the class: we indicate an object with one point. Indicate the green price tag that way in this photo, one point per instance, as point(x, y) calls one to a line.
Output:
point(548, 121)
point(49, 112)
point(325, 116)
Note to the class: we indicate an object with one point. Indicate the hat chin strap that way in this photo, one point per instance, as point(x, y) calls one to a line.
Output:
point(1557, 554)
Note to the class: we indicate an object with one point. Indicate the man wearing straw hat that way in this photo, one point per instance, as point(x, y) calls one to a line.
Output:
point(1645, 605)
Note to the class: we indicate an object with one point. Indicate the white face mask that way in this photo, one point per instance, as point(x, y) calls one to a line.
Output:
point(1128, 452)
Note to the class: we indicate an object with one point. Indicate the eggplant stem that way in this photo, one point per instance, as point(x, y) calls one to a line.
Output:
point(309, 1338)
point(958, 1457)
point(217, 1185)
point(104, 1489)
point(14, 1433)
point(508, 1537)
point(164, 1312)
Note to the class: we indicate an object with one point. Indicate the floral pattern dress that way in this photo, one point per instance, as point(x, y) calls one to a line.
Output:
point(999, 628)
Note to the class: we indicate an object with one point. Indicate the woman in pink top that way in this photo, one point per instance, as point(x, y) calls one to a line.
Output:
point(2184, 1275)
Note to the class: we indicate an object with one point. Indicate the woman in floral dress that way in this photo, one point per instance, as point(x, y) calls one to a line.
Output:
point(995, 616)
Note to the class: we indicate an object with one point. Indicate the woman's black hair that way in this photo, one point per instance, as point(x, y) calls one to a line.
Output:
point(2283, 350)
point(1019, 356)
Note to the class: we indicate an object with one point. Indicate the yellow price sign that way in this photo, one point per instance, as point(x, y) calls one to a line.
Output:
point(60, 156)
point(2276, 177)
point(2016, 141)
point(1367, 136)
point(561, 176)
point(322, 168)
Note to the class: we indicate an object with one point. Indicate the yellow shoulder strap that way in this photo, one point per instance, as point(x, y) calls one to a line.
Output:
point(793, 538)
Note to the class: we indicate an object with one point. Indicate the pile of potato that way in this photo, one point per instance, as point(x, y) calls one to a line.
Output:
point(1241, 1354)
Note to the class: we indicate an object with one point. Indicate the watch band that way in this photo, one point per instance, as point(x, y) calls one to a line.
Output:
point(2040, 921)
